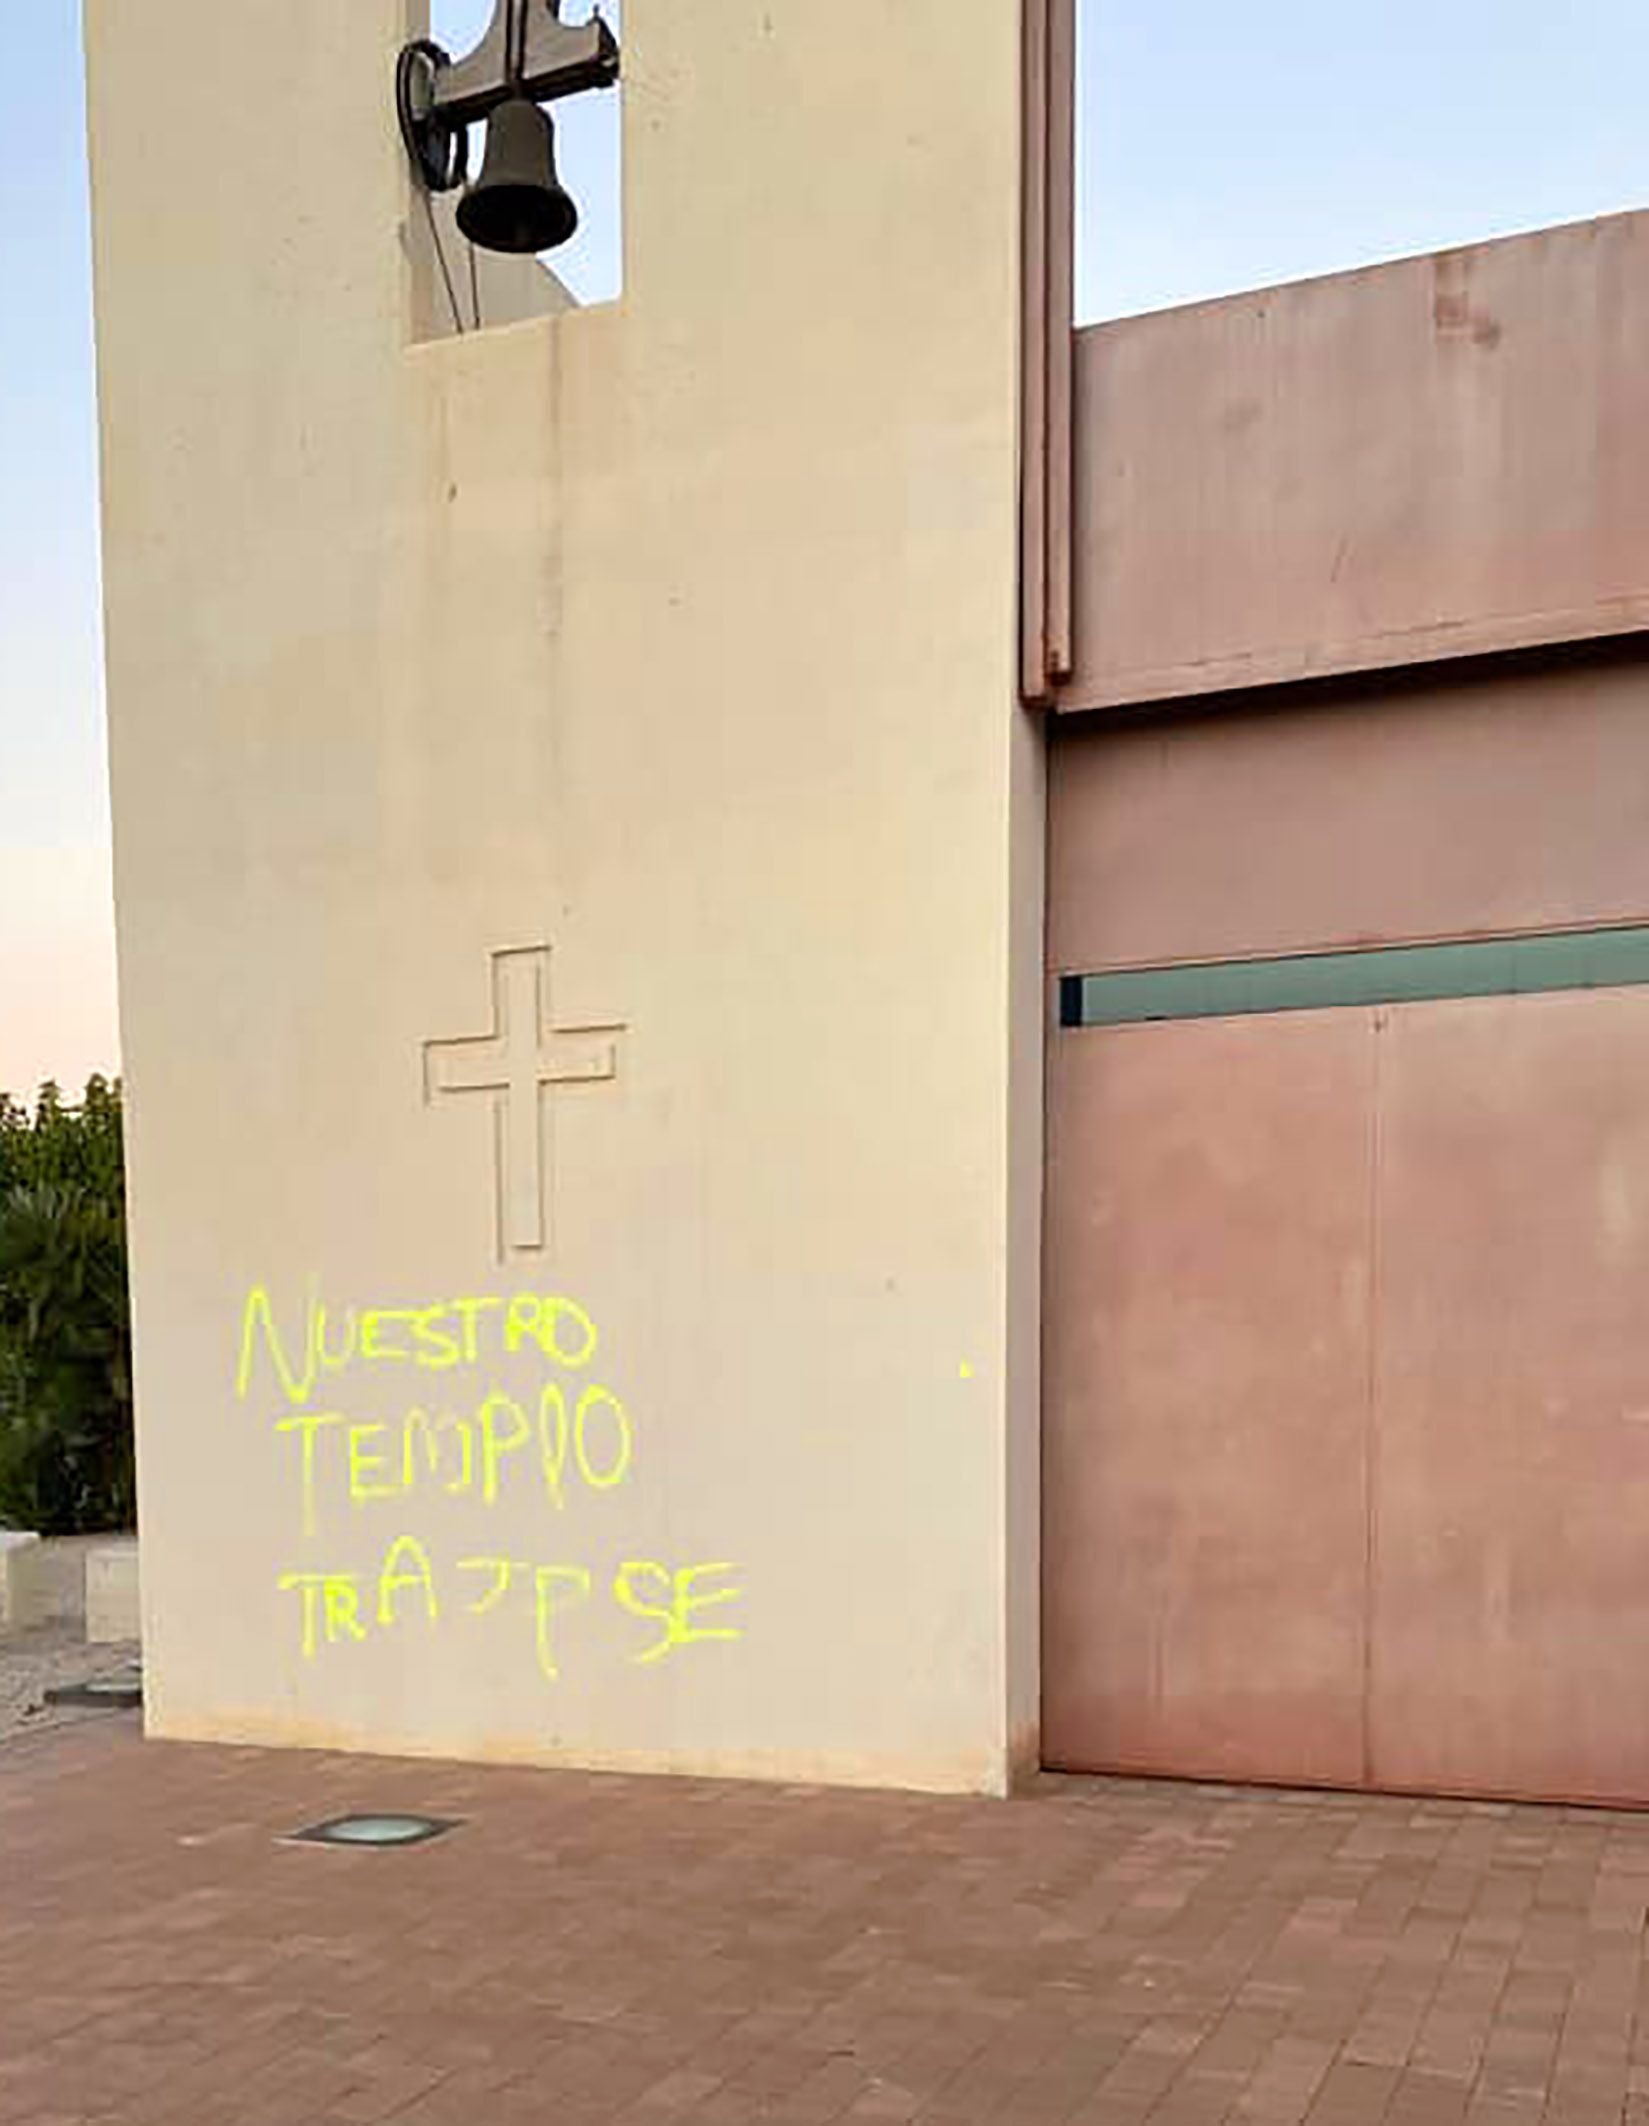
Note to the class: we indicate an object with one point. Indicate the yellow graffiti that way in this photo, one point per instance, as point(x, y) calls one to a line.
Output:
point(546, 1582)
point(338, 1607)
point(336, 1361)
point(309, 1584)
point(374, 1323)
point(416, 1573)
point(341, 1598)
point(552, 1446)
point(555, 1310)
point(494, 1445)
point(540, 1319)
point(434, 1337)
point(623, 1441)
point(462, 1454)
point(503, 1571)
point(362, 1486)
point(260, 1314)
point(680, 1605)
point(331, 1601)
point(521, 1321)
point(438, 1348)
point(306, 1427)
point(579, 1434)
point(556, 1435)
point(469, 1312)
point(418, 1431)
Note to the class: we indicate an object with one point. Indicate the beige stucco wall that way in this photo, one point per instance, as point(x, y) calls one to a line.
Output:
point(675, 636)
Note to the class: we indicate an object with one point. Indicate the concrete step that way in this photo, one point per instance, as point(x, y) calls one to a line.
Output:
point(69, 1579)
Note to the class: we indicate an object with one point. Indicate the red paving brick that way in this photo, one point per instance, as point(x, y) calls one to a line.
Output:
point(596, 1951)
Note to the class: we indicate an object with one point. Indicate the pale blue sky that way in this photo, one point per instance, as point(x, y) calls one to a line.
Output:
point(1222, 147)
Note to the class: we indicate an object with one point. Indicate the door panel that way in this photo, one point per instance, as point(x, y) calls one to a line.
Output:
point(1511, 1583)
point(1207, 1376)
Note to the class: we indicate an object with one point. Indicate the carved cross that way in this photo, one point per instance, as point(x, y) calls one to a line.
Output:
point(523, 1054)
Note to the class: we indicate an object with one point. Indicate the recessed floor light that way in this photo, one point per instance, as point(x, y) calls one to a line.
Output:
point(120, 1691)
point(376, 1831)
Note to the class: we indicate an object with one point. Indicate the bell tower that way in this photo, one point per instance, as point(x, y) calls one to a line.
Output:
point(579, 890)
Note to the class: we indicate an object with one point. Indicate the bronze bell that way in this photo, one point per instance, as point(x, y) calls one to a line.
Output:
point(518, 203)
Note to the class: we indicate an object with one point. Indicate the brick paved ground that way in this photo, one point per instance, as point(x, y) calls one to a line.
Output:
point(636, 1951)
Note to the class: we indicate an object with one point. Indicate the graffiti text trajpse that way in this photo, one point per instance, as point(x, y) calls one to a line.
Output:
point(472, 1430)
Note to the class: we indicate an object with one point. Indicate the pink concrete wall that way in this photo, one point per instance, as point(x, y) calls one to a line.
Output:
point(1442, 456)
point(1346, 1358)
point(1508, 804)
point(1347, 1377)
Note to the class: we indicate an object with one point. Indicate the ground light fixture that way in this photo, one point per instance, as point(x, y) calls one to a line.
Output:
point(528, 58)
point(118, 1691)
point(375, 1832)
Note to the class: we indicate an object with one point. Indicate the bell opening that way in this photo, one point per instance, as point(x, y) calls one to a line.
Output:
point(579, 246)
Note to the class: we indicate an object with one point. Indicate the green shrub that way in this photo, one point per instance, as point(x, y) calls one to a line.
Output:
point(66, 1463)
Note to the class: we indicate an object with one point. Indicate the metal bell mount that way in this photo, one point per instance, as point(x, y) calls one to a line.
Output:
point(529, 57)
